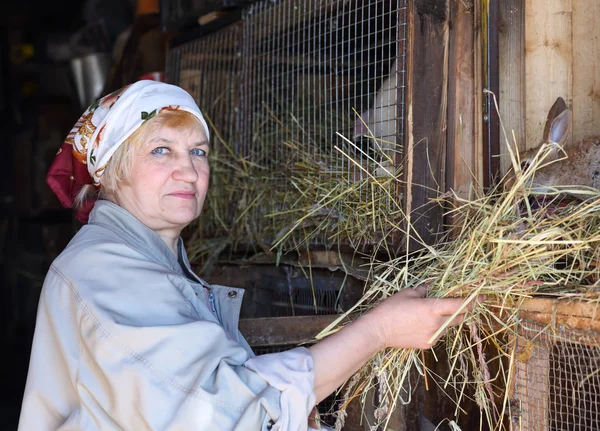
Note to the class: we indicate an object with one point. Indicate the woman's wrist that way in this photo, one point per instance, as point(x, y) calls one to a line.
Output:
point(372, 325)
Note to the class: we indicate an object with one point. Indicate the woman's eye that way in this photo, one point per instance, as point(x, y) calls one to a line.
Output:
point(160, 151)
point(198, 152)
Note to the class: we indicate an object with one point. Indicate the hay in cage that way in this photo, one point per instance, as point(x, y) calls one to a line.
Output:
point(284, 87)
point(292, 198)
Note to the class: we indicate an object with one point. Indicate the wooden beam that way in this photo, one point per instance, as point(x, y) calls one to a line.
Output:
point(273, 331)
point(425, 141)
point(463, 151)
point(574, 314)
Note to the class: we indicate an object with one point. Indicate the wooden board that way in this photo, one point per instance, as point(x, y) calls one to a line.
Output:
point(548, 61)
point(274, 331)
point(464, 152)
point(548, 49)
point(426, 98)
point(586, 68)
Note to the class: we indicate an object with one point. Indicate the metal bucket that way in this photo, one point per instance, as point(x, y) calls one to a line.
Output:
point(90, 73)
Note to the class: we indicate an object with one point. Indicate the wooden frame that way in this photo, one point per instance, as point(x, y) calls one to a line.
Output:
point(531, 401)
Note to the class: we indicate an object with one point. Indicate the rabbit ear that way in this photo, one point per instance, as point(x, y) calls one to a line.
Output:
point(560, 128)
point(558, 108)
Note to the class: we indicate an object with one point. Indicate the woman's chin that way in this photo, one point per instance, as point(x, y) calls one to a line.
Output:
point(183, 216)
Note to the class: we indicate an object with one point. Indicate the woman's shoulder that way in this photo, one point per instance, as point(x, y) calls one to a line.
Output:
point(94, 251)
point(115, 278)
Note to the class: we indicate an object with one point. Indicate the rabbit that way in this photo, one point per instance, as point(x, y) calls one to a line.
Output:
point(379, 122)
point(576, 164)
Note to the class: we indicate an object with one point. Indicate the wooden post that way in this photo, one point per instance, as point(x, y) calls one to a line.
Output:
point(532, 384)
point(464, 152)
point(426, 95)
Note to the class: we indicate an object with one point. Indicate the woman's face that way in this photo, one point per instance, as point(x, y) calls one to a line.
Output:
point(168, 180)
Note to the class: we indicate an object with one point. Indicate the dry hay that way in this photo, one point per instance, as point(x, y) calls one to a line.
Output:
point(288, 196)
point(510, 244)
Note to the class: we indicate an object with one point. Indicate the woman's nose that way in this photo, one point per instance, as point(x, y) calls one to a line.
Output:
point(185, 170)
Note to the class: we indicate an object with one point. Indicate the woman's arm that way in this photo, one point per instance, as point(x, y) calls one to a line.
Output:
point(405, 320)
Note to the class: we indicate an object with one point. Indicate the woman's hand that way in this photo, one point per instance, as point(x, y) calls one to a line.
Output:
point(408, 319)
point(404, 320)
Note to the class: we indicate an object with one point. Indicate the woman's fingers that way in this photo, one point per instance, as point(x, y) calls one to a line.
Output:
point(409, 319)
point(449, 306)
point(417, 292)
point(455, 321)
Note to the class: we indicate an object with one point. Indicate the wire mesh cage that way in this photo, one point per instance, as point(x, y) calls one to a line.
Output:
point(283, 87)
point(557, 379)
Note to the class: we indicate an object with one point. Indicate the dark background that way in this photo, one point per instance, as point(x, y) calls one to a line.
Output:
point(38, 106)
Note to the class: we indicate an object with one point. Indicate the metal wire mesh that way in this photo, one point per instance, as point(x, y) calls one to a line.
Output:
point(209, 69)
point(301, 72)
point(557, 379)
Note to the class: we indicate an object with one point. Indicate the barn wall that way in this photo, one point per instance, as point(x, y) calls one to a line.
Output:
point(549, 48)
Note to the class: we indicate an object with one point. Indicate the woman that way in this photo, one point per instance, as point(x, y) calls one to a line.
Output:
point(128, 337)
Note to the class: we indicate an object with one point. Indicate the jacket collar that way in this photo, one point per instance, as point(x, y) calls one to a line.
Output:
point(145, 240)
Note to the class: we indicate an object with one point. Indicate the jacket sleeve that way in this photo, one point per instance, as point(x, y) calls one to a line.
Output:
point(178, 372)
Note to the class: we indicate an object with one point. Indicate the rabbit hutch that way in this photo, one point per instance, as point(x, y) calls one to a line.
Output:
point(344, 133)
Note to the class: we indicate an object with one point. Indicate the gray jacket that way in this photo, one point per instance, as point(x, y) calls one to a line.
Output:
point(129, 338)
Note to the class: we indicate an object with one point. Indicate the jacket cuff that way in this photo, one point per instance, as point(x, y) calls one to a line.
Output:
point(292, 373)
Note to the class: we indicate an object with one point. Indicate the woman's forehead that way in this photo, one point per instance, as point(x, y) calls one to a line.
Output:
point(166, 133)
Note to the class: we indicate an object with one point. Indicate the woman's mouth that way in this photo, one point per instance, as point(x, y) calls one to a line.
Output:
point(183, 195)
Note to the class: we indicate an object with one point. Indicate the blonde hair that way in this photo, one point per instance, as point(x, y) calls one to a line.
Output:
point(119, 166)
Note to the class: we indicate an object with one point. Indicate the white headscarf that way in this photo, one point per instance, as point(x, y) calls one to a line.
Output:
point(107, 123)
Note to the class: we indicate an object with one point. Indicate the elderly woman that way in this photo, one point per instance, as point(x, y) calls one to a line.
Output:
point(128, 337)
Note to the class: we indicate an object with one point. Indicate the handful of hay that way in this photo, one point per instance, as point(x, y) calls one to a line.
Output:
point(509, 245)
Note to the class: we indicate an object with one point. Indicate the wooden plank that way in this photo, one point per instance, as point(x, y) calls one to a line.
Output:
point(512, 78)
point(548, 61)
point(478, 89)
point(463, 168)
point(574, 308)
point(574, 314)
point(532, 386)
point(426, 121)
point(584, 316)
point(586, 68)
point(273, 331)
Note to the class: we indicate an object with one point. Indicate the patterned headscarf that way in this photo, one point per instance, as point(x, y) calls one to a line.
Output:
point(102, 128)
